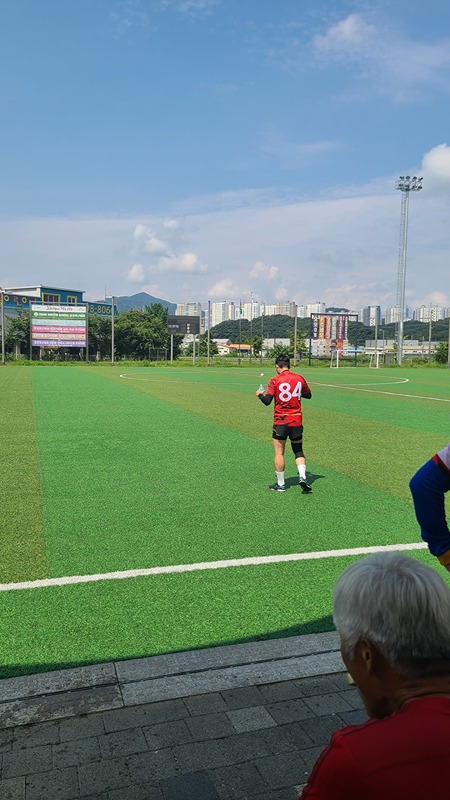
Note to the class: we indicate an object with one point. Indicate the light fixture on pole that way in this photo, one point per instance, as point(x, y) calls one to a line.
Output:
point(405, 184)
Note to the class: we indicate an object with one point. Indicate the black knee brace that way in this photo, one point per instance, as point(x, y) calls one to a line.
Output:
point(297, 448)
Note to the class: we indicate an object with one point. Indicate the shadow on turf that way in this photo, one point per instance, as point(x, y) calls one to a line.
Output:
point(319, 625)
point(311, 477)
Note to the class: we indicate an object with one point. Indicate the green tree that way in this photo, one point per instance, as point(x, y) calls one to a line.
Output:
point(17, 332)
point(441, 353)
point(257, 345)
point(136, 332)
point(99, 336)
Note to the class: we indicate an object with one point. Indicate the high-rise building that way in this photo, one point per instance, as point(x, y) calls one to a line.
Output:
point(189, 309)
point(315, 308)
point(424, 313)
point(370, 316)
point(221, 312)
point(391, 315)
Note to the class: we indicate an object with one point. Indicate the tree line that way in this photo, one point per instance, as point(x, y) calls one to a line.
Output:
point(137, 334)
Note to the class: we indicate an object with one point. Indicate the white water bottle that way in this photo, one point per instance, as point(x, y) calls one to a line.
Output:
point(261, 388)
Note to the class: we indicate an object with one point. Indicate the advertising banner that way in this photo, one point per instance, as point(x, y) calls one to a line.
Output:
point(58, 326)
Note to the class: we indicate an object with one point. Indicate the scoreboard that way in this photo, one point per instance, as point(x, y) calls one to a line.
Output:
point(182, 324)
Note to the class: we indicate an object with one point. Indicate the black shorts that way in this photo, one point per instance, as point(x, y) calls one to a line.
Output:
point(292, 432)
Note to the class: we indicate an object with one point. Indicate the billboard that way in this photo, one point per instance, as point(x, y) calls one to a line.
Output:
point(183, 324)
point(101, 308)
point(58, 326)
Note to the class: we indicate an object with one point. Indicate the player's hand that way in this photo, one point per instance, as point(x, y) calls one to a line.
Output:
point(258, 392)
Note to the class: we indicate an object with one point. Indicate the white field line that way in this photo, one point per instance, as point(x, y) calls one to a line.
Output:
point(204, 565)
point(377, 391)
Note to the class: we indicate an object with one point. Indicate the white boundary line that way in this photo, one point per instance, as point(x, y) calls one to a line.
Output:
point(352, 387)
point(204, 565)
point(376, 391)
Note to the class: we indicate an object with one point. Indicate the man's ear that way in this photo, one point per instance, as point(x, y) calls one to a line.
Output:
point(367, 653)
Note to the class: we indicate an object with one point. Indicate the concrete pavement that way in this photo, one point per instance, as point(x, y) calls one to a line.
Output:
point(237, 722)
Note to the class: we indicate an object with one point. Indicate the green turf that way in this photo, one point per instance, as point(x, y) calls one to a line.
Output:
point(22, 543)
point(170, 466)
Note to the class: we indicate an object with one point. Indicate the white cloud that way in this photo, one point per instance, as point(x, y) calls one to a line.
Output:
point(136, 273)
point(186, 262)
point(148, 240)
point(393, 64)
point(223, 290)
point(349, 36)
point(194, 8)
point(341, 248)
point(294, 155)
point(436, 169)
point(282, 294)
point(260, 269)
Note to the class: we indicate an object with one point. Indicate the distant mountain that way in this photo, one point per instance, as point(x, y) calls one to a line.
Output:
point(138, 301)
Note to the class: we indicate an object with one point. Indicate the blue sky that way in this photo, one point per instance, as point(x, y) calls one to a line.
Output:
point(207, 149)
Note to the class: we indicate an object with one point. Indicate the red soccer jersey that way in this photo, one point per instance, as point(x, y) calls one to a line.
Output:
point(287, 389)
point(402, 757)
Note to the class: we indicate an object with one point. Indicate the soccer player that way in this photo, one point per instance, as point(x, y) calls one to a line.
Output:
point(287, 388)
point(428, 488)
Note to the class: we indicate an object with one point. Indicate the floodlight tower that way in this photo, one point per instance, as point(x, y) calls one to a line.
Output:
point(406, 184)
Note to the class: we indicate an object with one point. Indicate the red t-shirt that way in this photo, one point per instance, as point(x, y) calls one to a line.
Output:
point(288, 388)
point(403, 757)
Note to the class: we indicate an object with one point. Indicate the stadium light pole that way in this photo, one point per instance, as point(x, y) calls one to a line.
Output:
point(405, 184)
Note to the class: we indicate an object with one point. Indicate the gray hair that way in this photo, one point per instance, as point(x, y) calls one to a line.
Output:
point(401, 606)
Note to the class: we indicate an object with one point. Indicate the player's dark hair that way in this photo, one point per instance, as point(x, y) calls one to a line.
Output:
point(283, 361)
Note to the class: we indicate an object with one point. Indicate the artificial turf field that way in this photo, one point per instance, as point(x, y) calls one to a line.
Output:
point(112, 470)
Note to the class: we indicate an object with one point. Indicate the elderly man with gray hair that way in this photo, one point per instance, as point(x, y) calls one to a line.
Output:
point(392, 613)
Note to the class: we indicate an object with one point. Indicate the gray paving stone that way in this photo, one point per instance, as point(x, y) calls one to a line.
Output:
point(256, 744)
point(210, 726)
point(341, 683)
point(6, 740)
point(152, 767)
point(243, 697)
point(356, 717)
point(309, 757)
point(289, 711)
point(238, 781)
point(25, 762)
point(217, 680)
point(353, 698)
point(122, 743)
point(280, 771)
point(295, 733)
point(75, 752)
point(195, 786)
point(250, 719)
point(63, 680)
point(103, 776)
point(35, 735)
point(13, 789)
point(60, 784)
point(136, 792)
point(167, 734)
point(223, 656)
point(319, 685)
point(145, 715)
point(286, 690)
point(81, 727)
point(332, 703)
point(320, 729)
point(199, 756)
point(56, 706)
point(282, 794)
point(205, 704)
